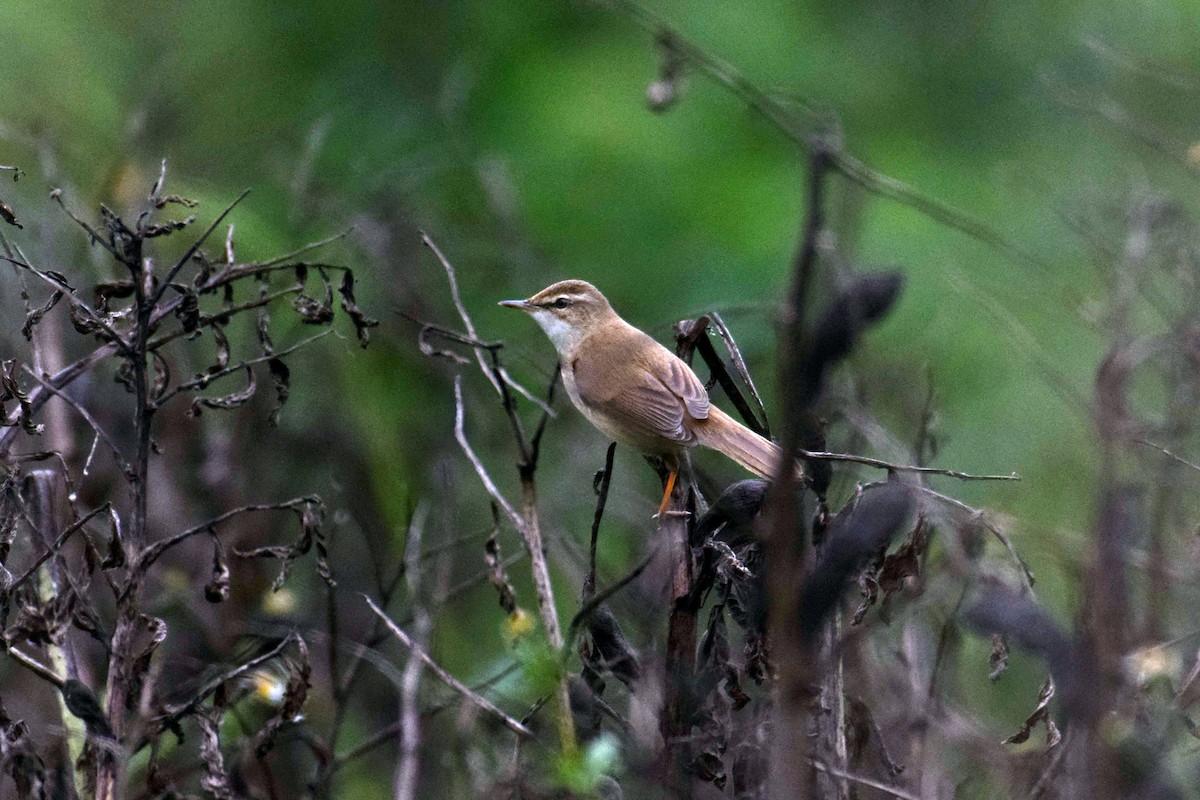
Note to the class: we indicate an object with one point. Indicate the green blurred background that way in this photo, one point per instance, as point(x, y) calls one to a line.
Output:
point(517, 135)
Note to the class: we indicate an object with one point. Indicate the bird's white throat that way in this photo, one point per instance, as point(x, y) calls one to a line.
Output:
point(561, 333)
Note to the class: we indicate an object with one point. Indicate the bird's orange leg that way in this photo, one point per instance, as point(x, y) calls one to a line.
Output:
point(662, 507)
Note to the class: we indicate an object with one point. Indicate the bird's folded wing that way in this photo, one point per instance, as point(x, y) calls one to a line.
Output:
point(659, 403)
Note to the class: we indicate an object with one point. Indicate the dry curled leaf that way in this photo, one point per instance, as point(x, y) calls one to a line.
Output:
point(35, 315)
point(231, 400)
point(8, 215)
point(362, 323)
point(1040, 714)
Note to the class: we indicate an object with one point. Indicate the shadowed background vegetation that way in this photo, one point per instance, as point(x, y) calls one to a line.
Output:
point(517, 135)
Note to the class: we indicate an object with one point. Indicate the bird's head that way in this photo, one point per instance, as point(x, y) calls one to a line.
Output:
point(567, 311)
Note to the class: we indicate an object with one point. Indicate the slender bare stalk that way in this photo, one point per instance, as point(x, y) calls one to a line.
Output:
point(445, 677)
point(410, 713)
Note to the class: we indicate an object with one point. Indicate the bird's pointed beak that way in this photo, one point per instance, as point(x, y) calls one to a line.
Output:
point(523, 305)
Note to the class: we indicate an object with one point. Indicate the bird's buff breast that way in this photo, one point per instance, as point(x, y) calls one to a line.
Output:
point(610, 428)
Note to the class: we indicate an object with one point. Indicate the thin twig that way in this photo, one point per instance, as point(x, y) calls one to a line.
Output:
point(39, 395)
point(34, 666)
point(179, 711)
point(779, 115)
point(460, 436)
point(894, 791)
point(1169, 454)
point(470, 326)
point(123, 464)
point(155, 551)
point(735, 355)
point(1043, 781)
point(204, 380)
point(393, 730)
point(410, 716)
point(875, 462)
point(605, 475)
point(444, 676)
point(588, 608)
point(191, 251)
point(978, 514)
point(114, 335)
point(58, 543)
point(257, 265)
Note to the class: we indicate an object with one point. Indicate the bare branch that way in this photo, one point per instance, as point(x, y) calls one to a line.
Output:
point(155, 551)
point(782, 118)
point(410, 714)
point(460, 436)
point(204, 380)
point(258, 265)
point(978, 515)
point(191, 251)
point(34, 666)
point(445, 677)
point(58, 543)
point(179, 711)
point(470, 326)
point(122, 463)
point(875, 462)
point(1169, 454)
point(874, 784)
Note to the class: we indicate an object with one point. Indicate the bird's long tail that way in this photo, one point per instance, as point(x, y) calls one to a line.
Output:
point(726, 435)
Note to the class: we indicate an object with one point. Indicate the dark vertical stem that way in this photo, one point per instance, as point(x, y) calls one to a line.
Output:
point(124, 632)
point(786, 547)
point(589, 583)
point(675, 531)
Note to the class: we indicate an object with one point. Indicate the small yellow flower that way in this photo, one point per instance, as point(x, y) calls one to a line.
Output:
point(269, 687)
point(280, 603)
point(517, 625)
point(1145, 665)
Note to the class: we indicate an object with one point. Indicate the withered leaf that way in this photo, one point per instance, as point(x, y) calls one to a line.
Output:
point(222, 342)
point(166, 228)
point(215, 780)
point(35, 315)
point(263, 328)
point(188, 311)
point(8, 215)
point(998, 657)
point(709, 767)
point(20, 760)
point(611, 651)
point(281, 378)
point(362, 323)
point(313, 311)
point(496, 573)
point(294, 695)
point(1040, 714)
point(311, 515)
point(217, 588)
point(857, 534)
point(891, 571)
point(232, 400)
point(59, 278)
point(11, 390)
point(107, 290)
point(157, 631)
point(82, 321)
point(174, 198)
point(162, 375)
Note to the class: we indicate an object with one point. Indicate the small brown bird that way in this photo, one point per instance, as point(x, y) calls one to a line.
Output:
point(632, 388)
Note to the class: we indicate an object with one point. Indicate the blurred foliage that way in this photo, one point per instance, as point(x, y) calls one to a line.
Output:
point(517, 134)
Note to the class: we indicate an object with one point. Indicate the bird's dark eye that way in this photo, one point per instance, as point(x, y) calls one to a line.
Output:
point(561, 302)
